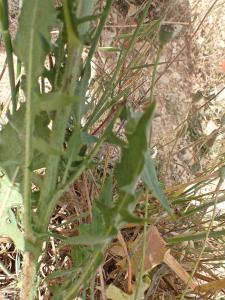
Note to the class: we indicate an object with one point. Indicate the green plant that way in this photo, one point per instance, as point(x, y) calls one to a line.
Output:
point(48, 142)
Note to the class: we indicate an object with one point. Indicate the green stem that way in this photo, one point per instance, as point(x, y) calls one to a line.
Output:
point(154, 73)
point(4, 28)
point(74, 288)
point(194, 236)
point(71, 76)
point(28, 148)
point(152, 87)
point(48, 207)
point(143, 250)
point(56, 141)
point(70, 293)
point(215, 198)
point(87, 68)
point(114, 81)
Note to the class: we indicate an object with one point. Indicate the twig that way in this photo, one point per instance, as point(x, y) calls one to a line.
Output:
point(5, 270)
point(126, 253)
point(87, 196)
point(100, 271)
point(147, 24)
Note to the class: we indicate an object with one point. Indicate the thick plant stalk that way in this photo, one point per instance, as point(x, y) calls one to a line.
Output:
point(33, 58)
point(30, 261)
point(45, 208)
point(72, 70)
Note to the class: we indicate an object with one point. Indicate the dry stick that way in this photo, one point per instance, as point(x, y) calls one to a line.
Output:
point(215, 198)
point(87, 196)
point(172, 189)
point(146, 24)
point(102, 282)
point(105, 121)
point(105, 165)
point(129, 271)
point(202, 142)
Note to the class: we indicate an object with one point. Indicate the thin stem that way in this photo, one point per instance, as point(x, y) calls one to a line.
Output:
point(143, 250)
point(28, 143)
point(4, 28)
point(129, 267)
point(70, 294)
point(154, 73)
point(215, 198)
point(87, 68)
point(48, 207)
point(152, 87)
point(98, 111)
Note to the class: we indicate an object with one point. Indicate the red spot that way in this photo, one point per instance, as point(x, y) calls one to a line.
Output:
point(222, 65)
point(126, 45)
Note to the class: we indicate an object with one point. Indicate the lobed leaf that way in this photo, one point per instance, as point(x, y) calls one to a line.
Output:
point(129, 169)
point(10, 197)
point(53, 101)
point(12, 142)
point(33, 36)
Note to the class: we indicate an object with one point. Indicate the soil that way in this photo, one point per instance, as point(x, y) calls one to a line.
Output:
point(196, 55)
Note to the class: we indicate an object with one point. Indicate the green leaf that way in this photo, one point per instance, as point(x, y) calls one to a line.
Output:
point(114, 293)
point(53, 101)
point(10, 197)
point(129, 170)
point(44, 147)
point(62, 273)
point(102, 218)
point(41, 126)
point(150, 179)
point(132, 120)
point(74, 145)
point(132, 161)
point(113, 139)
point(88, 139)
point(107, 192)
point(31, 44)
point(4, 22)
point(12, 142)
point(94, 233)
point(12, 139)
point(222, 173)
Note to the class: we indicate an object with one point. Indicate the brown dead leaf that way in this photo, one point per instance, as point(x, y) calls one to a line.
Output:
point(214, 286)
point(157, 253)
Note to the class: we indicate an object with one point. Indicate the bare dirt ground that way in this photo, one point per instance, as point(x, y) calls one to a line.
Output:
point(187, 131)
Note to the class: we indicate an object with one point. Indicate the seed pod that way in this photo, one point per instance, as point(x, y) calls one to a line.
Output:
point(165, 34)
